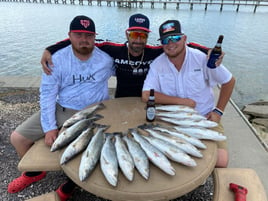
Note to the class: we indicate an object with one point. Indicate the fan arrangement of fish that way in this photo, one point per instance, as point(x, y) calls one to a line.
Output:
point(179, 141)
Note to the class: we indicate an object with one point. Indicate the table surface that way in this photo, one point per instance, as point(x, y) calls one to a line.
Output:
point(122, 114)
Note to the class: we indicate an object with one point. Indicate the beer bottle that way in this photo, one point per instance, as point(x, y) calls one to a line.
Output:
point(150, 108)
point(215, 53)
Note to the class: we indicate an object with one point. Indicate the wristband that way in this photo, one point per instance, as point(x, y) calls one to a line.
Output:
point(218, 111)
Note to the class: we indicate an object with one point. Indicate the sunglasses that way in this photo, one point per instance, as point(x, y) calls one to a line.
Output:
point(135, 35)
point(173, 39)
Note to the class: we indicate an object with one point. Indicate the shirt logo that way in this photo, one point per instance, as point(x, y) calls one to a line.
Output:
point(82, 78)
point(85, 23)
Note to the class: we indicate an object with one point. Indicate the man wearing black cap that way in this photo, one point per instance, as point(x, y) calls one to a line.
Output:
point(80, 78)
point(132, 59)
point(180, 76)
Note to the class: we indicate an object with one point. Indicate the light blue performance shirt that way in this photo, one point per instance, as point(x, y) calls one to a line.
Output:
point(74, 84)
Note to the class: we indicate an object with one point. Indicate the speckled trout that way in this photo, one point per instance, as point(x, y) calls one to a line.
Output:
point(175, 108)
point(154, 155)
point(171, 151)
point(124, 158)
point(91, 155)
point(84, 114)
point(70, 134)
point(190, 123)
point(181, 115)
point(139, 157)
point(181, 144)
point(77, 146)
point(108, 161)
point(192, 140)
point(202, 133)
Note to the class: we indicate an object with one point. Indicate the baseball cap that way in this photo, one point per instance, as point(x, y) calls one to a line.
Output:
point(170, 28)
point(82, 23)
point(139, 21)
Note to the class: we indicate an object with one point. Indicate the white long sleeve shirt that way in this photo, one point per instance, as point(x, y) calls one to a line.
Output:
point(195, 80)
point(74, 84)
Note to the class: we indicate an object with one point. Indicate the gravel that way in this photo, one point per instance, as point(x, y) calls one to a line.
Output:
point(18, 104)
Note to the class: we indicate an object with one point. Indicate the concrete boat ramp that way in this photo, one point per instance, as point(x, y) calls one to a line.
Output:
point(245, 148)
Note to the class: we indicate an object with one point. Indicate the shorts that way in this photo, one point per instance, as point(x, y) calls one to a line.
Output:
point(220, 144)
point(32, 128)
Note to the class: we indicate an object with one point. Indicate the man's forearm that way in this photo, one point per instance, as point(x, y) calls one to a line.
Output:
point(225, 94)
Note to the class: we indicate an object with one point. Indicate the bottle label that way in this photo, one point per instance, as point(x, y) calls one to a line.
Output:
point(212, 60)
point(150, 113)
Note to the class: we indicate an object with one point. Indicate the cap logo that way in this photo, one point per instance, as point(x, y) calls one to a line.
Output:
point(168, 27)
point(85, 23)
point(139, 20)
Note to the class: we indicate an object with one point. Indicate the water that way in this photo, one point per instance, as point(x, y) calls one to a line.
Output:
point(27, 28)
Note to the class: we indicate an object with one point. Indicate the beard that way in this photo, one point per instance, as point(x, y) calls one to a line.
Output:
point(136, 47)
point(83, 49)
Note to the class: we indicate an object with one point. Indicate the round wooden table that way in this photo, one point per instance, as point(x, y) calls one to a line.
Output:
point(125, 113)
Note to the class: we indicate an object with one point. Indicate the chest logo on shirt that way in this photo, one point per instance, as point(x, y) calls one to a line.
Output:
point(197, 69)
point(81, 78)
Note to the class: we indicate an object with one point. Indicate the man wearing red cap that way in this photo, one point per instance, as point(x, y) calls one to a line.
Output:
point(80, 78)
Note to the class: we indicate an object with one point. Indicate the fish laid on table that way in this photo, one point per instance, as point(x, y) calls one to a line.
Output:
point(192, 140)
point(175, 108)
point(70, 133)
point(154, 155)
point(202, 133)
point(181, 144)
point(181, 115)
point(91, 155)
point(124, 158)
point(139, 156)
point(108, 161)
point(190, 123)
point(171, 151)
point(77, 146)
point(84, 114)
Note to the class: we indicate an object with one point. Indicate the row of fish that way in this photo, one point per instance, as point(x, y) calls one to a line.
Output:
point(134, 149)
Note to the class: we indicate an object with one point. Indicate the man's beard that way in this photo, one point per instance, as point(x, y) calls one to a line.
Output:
point(137, 49)
point(84, 50)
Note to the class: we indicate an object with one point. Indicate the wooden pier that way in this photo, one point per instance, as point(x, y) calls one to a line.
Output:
point(151, 3)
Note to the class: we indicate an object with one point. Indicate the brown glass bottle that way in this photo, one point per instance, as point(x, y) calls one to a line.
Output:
point(215, 53)
point(150, 108)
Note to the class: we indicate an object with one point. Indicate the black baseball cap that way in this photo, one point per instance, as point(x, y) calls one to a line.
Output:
point(83, 24)
point(170, 28)
point(139, 22)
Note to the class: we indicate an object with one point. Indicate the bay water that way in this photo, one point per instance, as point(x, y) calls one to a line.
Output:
point(27, 28)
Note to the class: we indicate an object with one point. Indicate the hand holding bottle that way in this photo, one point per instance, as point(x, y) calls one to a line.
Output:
point(216, 54)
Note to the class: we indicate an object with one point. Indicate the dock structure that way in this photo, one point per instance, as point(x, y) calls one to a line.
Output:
point(141, 3)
